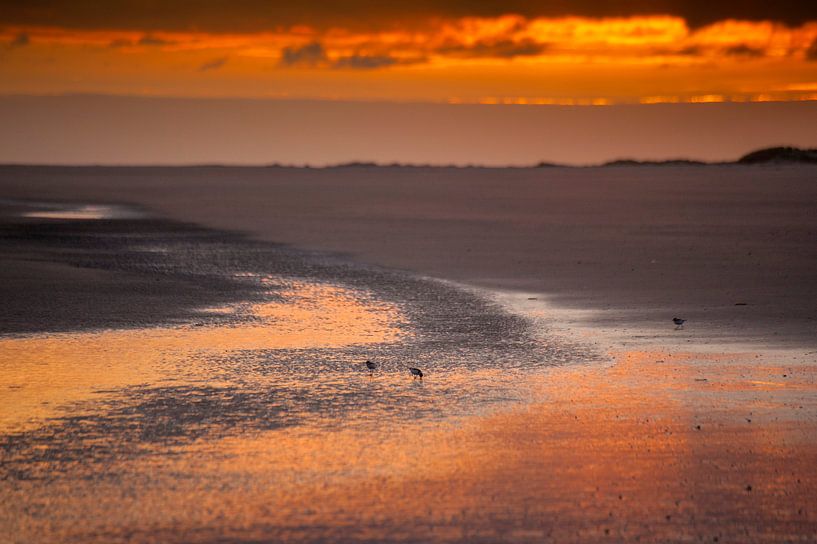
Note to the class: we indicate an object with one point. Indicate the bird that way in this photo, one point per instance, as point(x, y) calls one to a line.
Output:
point(371, 366)
point(416, 372)
point(679, 323)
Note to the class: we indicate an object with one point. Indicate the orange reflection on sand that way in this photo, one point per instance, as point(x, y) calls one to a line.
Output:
point(612, 451)
point(41, 373)
point(82, 213)
point(637, 449)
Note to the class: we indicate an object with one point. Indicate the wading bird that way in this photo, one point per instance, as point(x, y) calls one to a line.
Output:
point(679, 323)
point(416, 372)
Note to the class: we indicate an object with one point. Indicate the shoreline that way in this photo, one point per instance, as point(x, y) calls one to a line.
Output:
point(643, 244)
point(292, 310)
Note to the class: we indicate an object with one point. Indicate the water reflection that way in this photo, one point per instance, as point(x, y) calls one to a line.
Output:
point(86, 212)
point(609, 452)
point(259, 421)
point(42, 374)
point(139, 434)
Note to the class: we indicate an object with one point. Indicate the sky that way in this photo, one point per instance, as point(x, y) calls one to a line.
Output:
point(512, 55)
point(524, 52)
point(111, 130)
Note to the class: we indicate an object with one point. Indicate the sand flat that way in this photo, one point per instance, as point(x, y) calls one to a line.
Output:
point(641, 242)
point(633, 450)
point(560, 403)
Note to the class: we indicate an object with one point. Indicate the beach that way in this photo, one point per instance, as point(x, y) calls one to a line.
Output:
point(637, 242)
point(192, 354)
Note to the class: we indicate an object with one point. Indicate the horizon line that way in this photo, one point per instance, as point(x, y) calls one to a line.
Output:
point(613, 163)
point(600, 102)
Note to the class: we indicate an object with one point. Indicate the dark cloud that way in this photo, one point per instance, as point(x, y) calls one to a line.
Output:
point(214, 64)
point(690, 51)
point(314, 55)
point(263, 15)
point(149, 39)
point(372, 62)
point(115, 44)
point(311, 54)
point(364, 62)
point(811, 52)
point(502, 49)
point(743, 50)
point(20, 40)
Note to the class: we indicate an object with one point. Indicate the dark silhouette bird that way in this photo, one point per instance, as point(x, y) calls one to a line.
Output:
point(371, 366)
point(416, 372)
point(679, 323)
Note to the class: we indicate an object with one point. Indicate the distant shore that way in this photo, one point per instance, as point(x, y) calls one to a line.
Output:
point(772, 156)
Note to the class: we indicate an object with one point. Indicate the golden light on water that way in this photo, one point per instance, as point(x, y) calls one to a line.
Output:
point(607, 450)
point(41, 374)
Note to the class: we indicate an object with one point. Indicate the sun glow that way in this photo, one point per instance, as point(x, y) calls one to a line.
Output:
point(506, 59)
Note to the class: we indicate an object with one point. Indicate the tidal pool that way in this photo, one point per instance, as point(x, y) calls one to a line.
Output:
point(41, 376)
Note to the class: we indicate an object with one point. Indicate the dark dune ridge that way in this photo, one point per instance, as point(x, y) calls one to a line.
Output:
point(778, 155)
point(770, 155)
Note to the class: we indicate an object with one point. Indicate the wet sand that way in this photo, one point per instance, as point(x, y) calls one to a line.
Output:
point(542, 419)
point(638, 244)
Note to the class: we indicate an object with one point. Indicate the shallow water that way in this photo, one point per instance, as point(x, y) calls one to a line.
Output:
point(111, 434)
point(43, 375)
point(72, 212)
point(255, 420)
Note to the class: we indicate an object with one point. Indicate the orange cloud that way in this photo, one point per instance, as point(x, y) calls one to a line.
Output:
point(508, 58)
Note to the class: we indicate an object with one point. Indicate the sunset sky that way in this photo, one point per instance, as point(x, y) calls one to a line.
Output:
point(429, 81)
point(535, 52)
